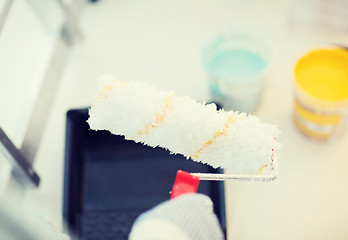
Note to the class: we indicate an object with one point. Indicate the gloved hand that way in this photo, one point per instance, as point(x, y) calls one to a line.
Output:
point(187, 217)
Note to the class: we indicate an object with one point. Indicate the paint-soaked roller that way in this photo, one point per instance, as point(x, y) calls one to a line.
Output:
point(236, 142)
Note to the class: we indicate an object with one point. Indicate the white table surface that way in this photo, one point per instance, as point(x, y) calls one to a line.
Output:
point(160, 42)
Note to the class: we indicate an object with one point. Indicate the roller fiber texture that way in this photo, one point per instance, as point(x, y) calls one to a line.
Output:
point(141, 112)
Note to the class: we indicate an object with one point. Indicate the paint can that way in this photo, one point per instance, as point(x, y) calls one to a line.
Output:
point(237, 63)
point(321, 93)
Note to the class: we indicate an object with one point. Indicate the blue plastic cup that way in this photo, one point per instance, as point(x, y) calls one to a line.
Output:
point(237, 64)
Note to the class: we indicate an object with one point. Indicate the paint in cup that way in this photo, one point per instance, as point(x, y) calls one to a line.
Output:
point(321, 93)
point(237, 63)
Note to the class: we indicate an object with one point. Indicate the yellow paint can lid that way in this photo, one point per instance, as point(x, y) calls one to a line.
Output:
point(323, 74)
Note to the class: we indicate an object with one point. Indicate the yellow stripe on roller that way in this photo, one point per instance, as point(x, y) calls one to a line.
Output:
point(108, 88)
point(264, 166)
point(160, 116)
point(215, 136)
point(105, 89)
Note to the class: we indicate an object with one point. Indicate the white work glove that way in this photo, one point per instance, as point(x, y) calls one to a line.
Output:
point(187, 217)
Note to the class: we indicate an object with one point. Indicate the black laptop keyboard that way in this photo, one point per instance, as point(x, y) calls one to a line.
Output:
point(108, 224)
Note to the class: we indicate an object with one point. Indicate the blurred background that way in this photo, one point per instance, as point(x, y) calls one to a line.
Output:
point(52, 52)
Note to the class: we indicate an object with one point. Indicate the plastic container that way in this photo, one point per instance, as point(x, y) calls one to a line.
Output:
point(109, 181)
point(237, 64)
point(321, 93)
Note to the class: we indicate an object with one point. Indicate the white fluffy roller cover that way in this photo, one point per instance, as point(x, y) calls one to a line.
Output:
point(143, 113)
